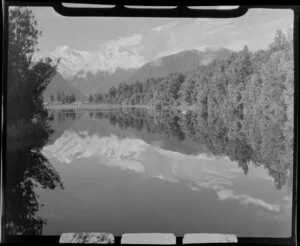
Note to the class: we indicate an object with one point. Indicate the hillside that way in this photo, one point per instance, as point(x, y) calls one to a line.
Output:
point(58, 83)
point(82, 75)
point(180, 62)
point(101, 81)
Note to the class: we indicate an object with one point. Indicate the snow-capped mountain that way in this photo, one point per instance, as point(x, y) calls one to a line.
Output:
point(75, 63)
point(108, 66)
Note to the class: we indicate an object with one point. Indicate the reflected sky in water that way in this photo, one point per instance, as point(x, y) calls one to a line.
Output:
point(121, 181)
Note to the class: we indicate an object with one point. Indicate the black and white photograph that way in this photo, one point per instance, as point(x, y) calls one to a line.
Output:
point(149, 125)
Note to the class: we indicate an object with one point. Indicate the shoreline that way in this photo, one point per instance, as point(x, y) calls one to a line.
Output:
point(92, 106)
point(87, 106)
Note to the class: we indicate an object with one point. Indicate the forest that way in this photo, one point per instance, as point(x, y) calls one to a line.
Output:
point(241, 107)
point(63, 97)
point(229, 82)
point(28, 128)
point(270, 150)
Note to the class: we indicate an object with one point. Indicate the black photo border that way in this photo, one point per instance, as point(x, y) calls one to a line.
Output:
point(121, 11)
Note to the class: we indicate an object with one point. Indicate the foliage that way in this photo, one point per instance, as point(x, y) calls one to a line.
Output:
point(242, 106)
point(64, 98)
point(27, 126)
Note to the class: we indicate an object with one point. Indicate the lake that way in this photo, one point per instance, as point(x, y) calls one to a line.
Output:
point(135, 170)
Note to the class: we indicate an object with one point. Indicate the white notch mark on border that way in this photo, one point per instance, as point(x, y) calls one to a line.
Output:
point(86, 5)
point(191, 238)
point(148, 238)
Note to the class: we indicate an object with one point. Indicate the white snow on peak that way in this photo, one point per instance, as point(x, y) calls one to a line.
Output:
point(107, 57)
point(207, 48)
point(61, 49)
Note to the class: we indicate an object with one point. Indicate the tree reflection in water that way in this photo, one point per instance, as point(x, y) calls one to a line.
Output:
point(27, 125)
point(27, 169)
point(268, 147)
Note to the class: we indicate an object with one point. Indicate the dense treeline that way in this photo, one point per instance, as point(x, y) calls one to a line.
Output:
point(242, 85)
point(230, 83)
point(243, 105)
point(62, 115)
point(27, 126)
point(63, 97)
point(210, 137)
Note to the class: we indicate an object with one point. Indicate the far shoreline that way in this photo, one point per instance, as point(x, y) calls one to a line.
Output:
point(91, 106)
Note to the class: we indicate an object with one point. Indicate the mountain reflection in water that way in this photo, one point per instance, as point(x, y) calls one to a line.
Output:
point(136, 155)
point(135, 170)
point(142, 171)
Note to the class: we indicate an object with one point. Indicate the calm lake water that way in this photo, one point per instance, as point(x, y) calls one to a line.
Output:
point(127, 172)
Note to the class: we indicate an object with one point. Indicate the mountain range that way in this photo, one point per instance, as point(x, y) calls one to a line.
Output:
point(84, 73)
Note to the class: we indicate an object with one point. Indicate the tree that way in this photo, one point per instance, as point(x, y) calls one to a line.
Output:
point(187, 90)
point(27, 126)
point(58, 98)
point(22, 39)
point(280, 41)
point(91, 98)
point(67, 99)
point(112, 93)
point(52, 98)
point(73, 98)
point(25, 81)
point(63, 97)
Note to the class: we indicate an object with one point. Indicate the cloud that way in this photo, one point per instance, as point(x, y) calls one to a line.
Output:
point(206, 156)
point(209, 24)
point(166, 52)
point(129, 41)
point(165, 26)
point(237, 45)
point(201, 32)
point(191, 34)
point(259, 202)
point(235, 33)
point(257, 28)
point(226, 194)
point(276, 24)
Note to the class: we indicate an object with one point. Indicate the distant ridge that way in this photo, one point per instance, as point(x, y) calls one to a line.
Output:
point(91, 80)
point(58, 83)
point(181, 62)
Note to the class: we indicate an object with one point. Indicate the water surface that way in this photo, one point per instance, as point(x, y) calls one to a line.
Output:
point(136, 170)
point(122, 176)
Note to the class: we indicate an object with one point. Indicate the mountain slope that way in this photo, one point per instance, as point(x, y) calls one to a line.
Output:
point(101, 81)
point(181, 62)
point(58, 83)
point(85, 73)
point(74, 62)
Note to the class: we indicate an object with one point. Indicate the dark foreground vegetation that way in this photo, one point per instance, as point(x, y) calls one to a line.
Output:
point(27, 127)
point(242, 108)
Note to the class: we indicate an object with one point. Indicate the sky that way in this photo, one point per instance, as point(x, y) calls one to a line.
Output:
point(156, 37)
